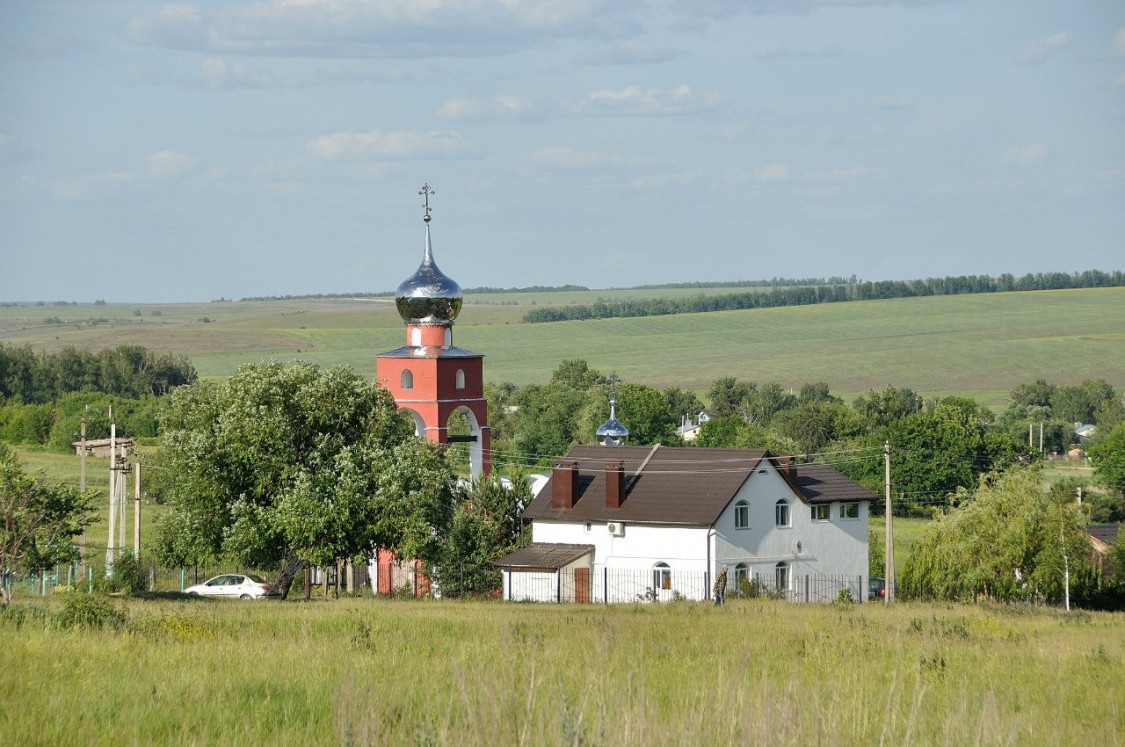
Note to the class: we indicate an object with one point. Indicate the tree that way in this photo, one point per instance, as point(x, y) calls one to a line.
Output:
point(1107, 453)
point(942, 449)
point(487, 524)
point(1007, 541)
point(644, 411)
point(38, 521)
point(766, 401)
point(881, 408)
point(290, 465)
point(728, 396)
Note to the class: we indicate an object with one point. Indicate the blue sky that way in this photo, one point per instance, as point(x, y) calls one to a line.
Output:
point(193, 151)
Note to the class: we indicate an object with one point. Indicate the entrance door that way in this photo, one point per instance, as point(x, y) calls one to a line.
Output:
point(582, 585)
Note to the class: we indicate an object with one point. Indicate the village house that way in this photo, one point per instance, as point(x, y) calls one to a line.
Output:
point(629, 523)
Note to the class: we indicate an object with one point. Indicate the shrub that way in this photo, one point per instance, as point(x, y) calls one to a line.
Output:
point(128, 575)
point(90, 611)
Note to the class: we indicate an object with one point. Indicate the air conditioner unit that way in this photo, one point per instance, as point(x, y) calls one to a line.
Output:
point(616, 528)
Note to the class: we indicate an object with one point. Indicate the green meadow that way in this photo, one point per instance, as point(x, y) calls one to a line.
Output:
point(976, 345)
point(394, 672)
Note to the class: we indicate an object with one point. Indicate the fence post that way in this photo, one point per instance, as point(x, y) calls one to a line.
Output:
point(806, 587)
point(182, 571)
point(605, 583)
point(558, 586)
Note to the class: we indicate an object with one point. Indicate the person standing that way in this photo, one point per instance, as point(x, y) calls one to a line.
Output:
point(720, 587)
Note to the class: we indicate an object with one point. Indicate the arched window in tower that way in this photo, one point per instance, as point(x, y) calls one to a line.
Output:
point(448, 338)
point(416, 338)
point(460, 378)
point(407, 380)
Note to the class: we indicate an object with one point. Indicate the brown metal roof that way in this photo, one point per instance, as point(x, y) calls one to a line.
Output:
point(681, 485)
point(1106, 533)
point(543, 556)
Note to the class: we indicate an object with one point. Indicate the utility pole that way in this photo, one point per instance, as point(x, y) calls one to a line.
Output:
point(137, 512)
point(122, 500)
point(82, 488)
point(889, 594)
point(110, 547)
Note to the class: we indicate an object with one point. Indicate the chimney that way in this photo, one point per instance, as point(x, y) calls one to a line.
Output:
point(614, 484)
point(564, 484)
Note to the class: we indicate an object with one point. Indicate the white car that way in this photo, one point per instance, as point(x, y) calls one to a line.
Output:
point(231, 586)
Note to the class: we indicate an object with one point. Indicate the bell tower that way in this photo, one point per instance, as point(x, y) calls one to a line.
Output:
point(429, 377)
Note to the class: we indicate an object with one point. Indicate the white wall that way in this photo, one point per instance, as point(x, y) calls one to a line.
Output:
point(833, 548)
point(836, 547)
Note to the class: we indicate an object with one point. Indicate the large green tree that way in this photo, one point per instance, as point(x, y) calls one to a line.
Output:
point(38, 520)
point(1007, 540)
point(1108, 456)
point(286, 465)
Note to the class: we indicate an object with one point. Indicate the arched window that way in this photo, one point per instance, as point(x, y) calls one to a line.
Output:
point(781, 513)
point(742, 515)
point(460, 378)
point(407, 380)
point(661, 576)
point(781, 576)
point(741, 577)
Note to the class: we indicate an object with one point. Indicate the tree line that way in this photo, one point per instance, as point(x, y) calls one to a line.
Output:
point(125, 371)
point(828, 293)
point(939, 446)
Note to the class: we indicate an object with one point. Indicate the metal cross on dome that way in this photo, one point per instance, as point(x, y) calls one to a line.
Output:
point(426, 191)
point(613, 378)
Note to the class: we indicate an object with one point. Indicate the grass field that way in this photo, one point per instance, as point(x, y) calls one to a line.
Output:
point(980, 346)
point(386, 672)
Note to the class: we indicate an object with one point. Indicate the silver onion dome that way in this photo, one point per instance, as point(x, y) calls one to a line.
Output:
point(611, 432)
point(429, 296)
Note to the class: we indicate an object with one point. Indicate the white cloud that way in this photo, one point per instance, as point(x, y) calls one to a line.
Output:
point(735, 131)
point(179, 26)
point(168, 164)
point(343, 146)
point(653, 181)
point(221, 73)
point(381, 28)
point(502, 108)
point(1025, 155)
point(773, 172)
point(627, 53)
point(891, 102)
point(840, 175)
point(569, 159)
point(1117, 48)
point(92, 185)
point(634, 100)
point(1042, 50)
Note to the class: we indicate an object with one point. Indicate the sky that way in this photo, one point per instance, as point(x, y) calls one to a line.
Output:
point(227, 149)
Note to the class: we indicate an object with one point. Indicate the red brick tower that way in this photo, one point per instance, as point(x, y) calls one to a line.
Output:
point(429, 377)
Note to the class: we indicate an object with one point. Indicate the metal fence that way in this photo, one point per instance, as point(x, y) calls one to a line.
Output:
point(615, 585)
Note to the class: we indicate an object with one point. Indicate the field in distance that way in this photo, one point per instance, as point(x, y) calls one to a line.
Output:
point(974, 345)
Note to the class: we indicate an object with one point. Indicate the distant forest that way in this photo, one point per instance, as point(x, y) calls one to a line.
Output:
point(803, 292)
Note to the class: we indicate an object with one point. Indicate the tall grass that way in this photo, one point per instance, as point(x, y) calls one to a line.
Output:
point(364, 671)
